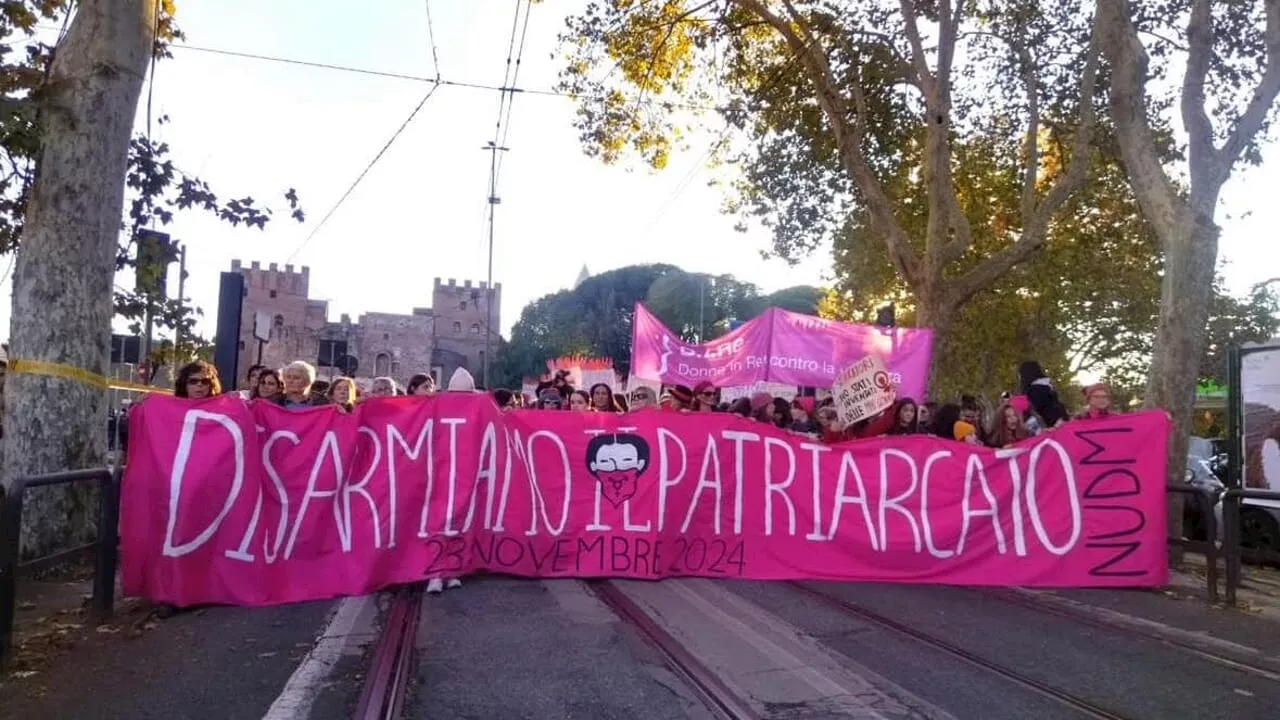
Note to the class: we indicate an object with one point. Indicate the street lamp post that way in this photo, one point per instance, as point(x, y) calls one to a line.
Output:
point(706, 282)
point(493, 148)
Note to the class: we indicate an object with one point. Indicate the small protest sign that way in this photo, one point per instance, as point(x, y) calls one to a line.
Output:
point(863, 389)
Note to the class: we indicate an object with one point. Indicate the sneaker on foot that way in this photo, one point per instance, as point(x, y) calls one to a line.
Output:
point(435, 585)
point(453, 583)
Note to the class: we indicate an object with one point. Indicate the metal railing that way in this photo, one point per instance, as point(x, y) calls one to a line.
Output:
point(1209, 545)
point(107, 544)
point(1232, 515)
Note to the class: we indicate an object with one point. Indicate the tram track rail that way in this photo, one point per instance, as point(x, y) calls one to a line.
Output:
point(852, 609)
point(386, 684)
point(1243, 666)
point(721, 701)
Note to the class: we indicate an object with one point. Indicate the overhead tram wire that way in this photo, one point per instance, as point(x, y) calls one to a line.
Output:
point(495, 148)
point(498, 143)
point(431, 38)
point(412, 78)
point(364, 172)
point(505, 123)
point(502, 129)
point(712, 148)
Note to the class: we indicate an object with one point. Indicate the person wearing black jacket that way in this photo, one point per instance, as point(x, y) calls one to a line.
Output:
point(1041, 395)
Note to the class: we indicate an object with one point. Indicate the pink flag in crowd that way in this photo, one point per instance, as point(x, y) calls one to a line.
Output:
point(248, 504)
point(779, 347)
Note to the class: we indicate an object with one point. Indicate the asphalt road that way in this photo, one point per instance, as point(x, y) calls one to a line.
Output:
point(504, 649)
point(509, 649)
point(216, 663)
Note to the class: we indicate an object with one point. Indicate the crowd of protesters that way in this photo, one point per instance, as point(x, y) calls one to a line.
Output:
point(1035, 407)
point(296, 386)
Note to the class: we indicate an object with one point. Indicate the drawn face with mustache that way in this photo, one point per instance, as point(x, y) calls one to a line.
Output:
point(618, 465)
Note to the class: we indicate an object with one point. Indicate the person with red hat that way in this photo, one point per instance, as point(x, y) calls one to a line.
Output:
point(1097, 398)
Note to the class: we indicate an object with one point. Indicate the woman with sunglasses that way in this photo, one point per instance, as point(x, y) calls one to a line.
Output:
point(197, 380)
point(643, 397)
point(704, 397)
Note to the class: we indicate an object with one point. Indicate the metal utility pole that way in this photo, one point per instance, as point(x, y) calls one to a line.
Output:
point(182, 302)
point(493, 149)
point(702, 287)
point(704, 282)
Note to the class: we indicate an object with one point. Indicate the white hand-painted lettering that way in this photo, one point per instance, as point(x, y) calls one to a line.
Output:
point(815, 481)
point(1015, 478)
point(506, 483)
point(425, 435)
point(1070, 491)
point(665, 480)
point(486, 473)
point(556, 442)
point(597, 525)
point(453, 424)
point(771, 487)
point(739, 467)
point(926, 527)
point(328, 447)
point(180, 460)
point(849, 467)
point(710, 464)
point(973, 468)
point(361, 488)
point(895, 503)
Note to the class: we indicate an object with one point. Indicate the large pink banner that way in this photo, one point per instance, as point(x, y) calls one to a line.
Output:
point(225, 502)
point(780, 347)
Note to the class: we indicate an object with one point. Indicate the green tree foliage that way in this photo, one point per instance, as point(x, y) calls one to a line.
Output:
point(1085, 303)
point(157, 189)
point(595, 318)
point(1217, 65)
point(799, 298)
point(1253, 318)
point(852, 108)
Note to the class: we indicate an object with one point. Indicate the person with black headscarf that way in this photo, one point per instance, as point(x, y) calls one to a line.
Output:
point(1042, 396)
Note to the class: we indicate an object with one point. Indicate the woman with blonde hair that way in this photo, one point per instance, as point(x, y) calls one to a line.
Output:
point(298, 377)
point(343, 393)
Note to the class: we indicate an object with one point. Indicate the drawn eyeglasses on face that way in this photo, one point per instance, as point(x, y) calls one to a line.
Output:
point(622, 456)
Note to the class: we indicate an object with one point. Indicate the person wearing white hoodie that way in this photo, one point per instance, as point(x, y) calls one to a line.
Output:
point(461, 381)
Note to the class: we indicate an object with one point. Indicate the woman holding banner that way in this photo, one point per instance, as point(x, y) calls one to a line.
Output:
point(462, 381)
point(197, 380)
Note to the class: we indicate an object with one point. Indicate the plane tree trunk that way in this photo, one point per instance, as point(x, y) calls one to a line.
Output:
point(62, 283)
point(1183, 221)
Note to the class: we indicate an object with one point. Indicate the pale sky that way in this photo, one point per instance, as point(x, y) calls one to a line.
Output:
point(250, 127)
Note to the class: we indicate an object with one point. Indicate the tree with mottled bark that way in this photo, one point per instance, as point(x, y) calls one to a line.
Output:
point(62, 283)
point(1086, 303)
point(68, 114)
point(833, 97)
point(1226, 97)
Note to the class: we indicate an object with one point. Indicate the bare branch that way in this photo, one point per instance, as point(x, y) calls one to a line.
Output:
point(836, 109)
point(918, 58)
point(1250, 121)
point(1157, 196)
point(950, 26)
point(945, 212)
point(1031, 150)
point(1036, 227)
point(1194, 115)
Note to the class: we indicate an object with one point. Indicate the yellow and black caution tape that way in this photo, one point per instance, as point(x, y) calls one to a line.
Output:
point(80, 375)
